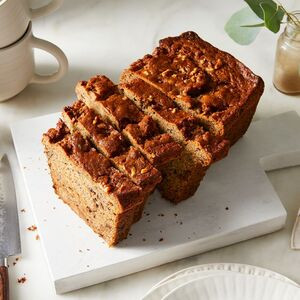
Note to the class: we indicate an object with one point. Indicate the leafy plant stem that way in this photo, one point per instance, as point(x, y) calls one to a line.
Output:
point(290, 16)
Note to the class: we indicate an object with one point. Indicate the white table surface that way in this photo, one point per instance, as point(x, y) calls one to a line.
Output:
point(104, 37)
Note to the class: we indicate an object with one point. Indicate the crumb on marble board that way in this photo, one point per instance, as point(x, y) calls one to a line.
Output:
point(16, 260)
point(22, 279)
point(32, 228)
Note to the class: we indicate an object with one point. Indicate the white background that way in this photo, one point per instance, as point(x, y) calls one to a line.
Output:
point(104, 37)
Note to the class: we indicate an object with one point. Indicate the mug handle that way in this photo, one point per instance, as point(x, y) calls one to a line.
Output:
point(47, 9)
point(57, 53)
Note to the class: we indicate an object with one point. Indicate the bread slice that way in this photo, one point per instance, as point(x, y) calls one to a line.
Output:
point(84, 179)
point(112, 145)
point(208, 83)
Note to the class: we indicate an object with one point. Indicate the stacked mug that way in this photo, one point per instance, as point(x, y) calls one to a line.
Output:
point(17, 67)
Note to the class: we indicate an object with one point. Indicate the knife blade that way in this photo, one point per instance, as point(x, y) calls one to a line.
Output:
point(10, 243)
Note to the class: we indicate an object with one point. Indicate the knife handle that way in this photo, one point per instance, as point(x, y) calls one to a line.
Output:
point(4, 283)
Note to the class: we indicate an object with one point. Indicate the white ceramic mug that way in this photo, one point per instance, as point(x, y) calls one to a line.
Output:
point(15, 16)
point(17, 67)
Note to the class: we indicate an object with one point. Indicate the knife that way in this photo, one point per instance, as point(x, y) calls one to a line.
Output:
point(9, 225)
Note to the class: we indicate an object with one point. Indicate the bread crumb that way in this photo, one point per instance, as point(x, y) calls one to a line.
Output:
point(37, 237)
point(144, 240)
point(22, 280)
point(23, 210)
point(161, 239)
point(32, 228)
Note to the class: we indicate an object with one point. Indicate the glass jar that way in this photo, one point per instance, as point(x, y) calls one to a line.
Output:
point(287, 60)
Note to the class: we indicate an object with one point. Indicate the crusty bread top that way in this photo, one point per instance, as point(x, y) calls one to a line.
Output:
point(116, 185)
point(111, 141)
point(125, 115)
point(197, 75)
point(182, 125)
point(112, 144)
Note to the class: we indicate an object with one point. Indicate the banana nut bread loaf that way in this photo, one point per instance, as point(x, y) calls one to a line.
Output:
point(174, 113)
point(206, 82)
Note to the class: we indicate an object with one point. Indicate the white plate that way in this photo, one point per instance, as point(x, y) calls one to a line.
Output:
point(235, 287)
point(164, 289)
point(166, 285)
point(233, 267)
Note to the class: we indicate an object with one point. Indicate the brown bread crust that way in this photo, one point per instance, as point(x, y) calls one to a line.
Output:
point(118, 110)
point(115, 185)
point(203, 80)
point(181, 125)
point(113, 145)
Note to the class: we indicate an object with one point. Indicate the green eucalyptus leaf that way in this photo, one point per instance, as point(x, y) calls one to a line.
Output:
point(255, 5)
point(235, 27)
point(272, 16)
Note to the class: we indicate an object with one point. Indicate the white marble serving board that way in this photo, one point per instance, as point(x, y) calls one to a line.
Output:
point(235, 202)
